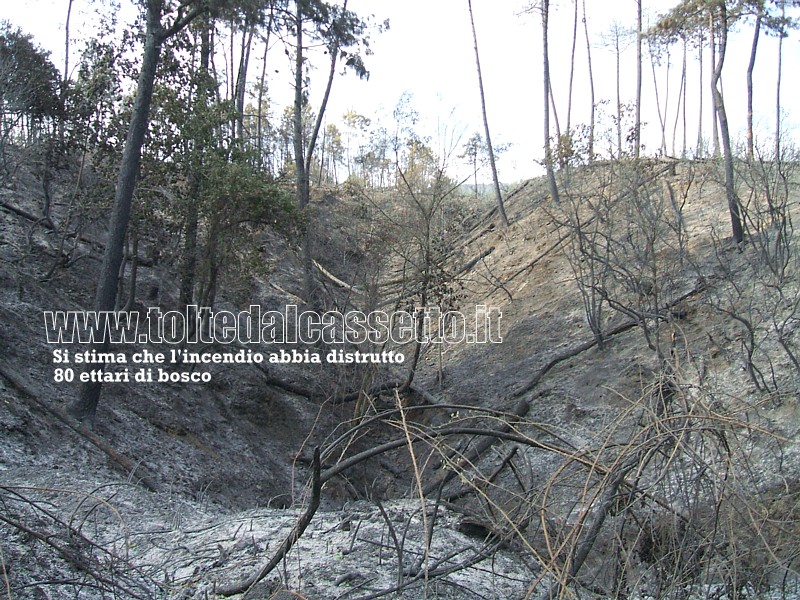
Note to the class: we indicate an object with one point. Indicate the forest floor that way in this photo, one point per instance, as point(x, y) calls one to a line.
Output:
point(229, 463)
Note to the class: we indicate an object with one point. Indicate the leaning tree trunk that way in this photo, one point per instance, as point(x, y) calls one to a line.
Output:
point(312, 143)
point(85, 407)
point(495, 180)
point(750, 68)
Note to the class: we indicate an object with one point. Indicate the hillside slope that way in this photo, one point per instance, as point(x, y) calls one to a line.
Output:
point(659, 465)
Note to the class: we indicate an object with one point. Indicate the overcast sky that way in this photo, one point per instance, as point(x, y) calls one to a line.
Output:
point(428, 52)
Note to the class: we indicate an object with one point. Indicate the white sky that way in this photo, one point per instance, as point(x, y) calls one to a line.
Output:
point(428, 52)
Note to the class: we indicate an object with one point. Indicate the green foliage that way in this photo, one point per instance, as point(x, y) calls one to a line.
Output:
point(30, 81)
point(30, 107)
point(236, 195)
point(342, 31)
point(685, 18)
point(236, 204)
point(691, 16)
point(248, 12)
point(94, 97)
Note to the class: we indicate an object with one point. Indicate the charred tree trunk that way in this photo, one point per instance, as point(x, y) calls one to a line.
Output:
point(712, 36)
point(84, 407)
point(241, 78)
point(189, 258)
point(548, 149)
point(722, 118)
point(301, 177)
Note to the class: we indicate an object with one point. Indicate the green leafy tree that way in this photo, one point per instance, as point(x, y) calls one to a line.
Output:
point(94, 99)
point(29, 82)
point(30, 106)
point(237, 200)
point(344, 36)
point(162, 21)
